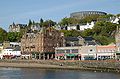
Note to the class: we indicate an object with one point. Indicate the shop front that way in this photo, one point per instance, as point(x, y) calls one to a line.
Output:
point(118, 55)
point(72, 56)
point(60, 56)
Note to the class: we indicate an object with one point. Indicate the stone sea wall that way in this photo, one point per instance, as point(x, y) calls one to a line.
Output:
point(102, 65)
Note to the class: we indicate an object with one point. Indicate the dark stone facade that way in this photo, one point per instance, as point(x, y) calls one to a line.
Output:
point(42, 44)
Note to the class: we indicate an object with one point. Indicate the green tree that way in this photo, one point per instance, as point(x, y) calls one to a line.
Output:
point(103, 31)
point(118, 15)
point(14, 36)
point(87, 32)
point(88, 19)
point(30, 23)
point(105, 17)
point(68, 21)
point(103, 40)
point(104, 28)
point(71, 33)
point(3, 35)
point(41, 22)
point(48, 23)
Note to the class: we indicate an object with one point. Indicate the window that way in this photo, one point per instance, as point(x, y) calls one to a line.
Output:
point(60, 51)
point(67, 51)
point(74, 50)
point(91, 50)
point(98, 50)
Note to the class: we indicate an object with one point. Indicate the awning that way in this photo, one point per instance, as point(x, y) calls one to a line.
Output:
point(70, 55)
point(59, 54)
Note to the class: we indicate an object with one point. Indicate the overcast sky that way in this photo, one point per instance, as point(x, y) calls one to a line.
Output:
point(20, 11)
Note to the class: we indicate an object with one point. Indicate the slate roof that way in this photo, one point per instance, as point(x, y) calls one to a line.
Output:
point(71, 39)
point(88, 38)
point(9, 48)
point(18, 48)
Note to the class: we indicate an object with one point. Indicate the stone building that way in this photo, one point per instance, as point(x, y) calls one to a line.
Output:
point(41, 45)
point(83, 14)
point(16, 27)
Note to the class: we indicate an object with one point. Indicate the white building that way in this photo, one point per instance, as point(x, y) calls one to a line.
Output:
point(76, 27)
point(10, 52)
point(87, 26)
point(14, 44)
point(115, 20)
point(16, 27)
point(86, 52)
point(81, 27)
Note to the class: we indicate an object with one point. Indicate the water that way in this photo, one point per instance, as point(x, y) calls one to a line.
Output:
point(28, 73)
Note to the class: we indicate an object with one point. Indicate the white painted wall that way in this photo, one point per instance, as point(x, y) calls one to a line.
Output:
point(88, 25)
point(11, 52)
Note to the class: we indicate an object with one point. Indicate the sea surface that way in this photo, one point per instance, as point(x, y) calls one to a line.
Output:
point(34, 73)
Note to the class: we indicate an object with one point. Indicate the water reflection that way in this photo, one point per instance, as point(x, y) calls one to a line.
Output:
point(28, 73)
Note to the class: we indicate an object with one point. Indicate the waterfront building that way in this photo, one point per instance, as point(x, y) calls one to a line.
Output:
point(95, 52)
point(10, 52)
point(88, 52)
point(67, 53)
point(83, 14)
point(75, 53)
point(106, 52)
point(41, 45)
point(16, 27)
point(17, 51)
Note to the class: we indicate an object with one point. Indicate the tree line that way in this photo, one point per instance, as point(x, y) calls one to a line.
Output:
point(103, 30)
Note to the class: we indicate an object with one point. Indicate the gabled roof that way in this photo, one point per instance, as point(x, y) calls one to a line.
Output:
point(9, 48)
point(18, 48)
point(88, 38)
point(91, 43)
point(77, 38)
point(71, 39)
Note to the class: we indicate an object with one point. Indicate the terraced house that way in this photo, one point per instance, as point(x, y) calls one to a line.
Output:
point(41, 45)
